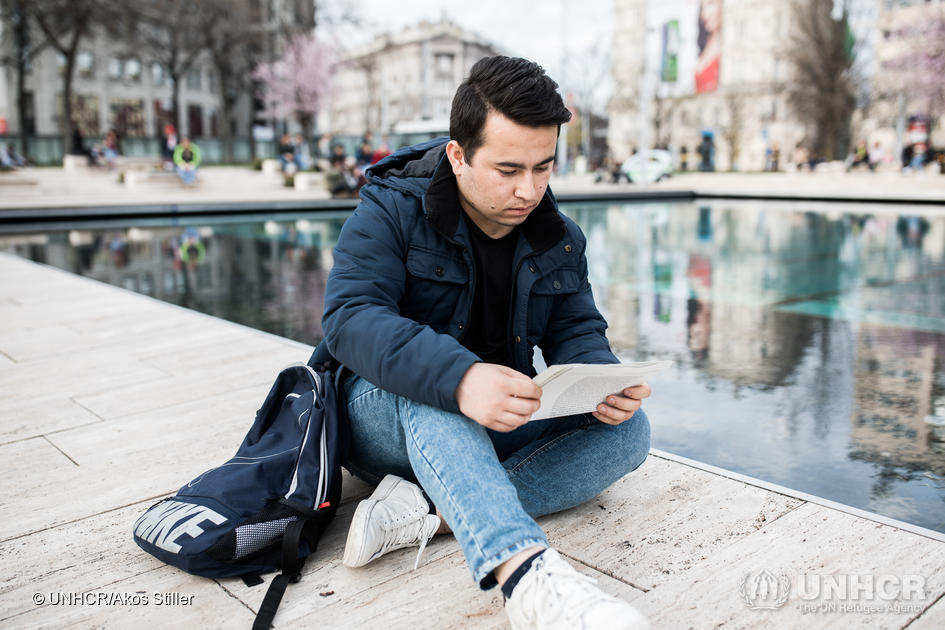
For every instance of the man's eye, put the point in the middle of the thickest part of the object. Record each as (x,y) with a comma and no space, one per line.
(542,169)
(507,173)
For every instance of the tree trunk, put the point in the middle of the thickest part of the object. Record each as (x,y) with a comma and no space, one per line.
(68,124)
(22,42)
(21,107)
(175,109)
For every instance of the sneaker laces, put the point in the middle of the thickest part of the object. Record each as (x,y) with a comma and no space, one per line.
(554,586)
(410,534)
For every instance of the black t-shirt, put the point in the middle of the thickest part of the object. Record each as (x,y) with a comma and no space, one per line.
(487,331)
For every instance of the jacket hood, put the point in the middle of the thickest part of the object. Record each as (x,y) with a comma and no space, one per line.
(410,169)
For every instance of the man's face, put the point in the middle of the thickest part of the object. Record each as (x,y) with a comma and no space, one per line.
(507,175)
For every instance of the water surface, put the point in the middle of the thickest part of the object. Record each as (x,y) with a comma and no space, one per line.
(808,338)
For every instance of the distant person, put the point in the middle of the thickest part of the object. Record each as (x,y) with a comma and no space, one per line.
(860,155)
(338,157)
(78,145)
(110,149)
(302,155)
(799,157)
(683,158)
(706,151)
(286,155)
(365,152)
(187,161)
(381,152)
(10,159)
(168,145)
(876,156)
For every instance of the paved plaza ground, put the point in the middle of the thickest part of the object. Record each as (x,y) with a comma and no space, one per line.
(38,187)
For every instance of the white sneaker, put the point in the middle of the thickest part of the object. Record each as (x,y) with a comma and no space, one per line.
(552,594)
(395,516)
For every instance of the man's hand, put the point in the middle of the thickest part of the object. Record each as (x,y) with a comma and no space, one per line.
(620,407)
(497,397)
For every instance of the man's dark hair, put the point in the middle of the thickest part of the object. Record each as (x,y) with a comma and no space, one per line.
(516,88)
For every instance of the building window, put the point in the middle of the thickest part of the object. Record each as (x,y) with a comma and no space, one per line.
(443,62)
(60,62)
(212,81)
(158,77)
(133,70)
(85,61)
(195,120)
(126,116)
(193,79)
(115,68)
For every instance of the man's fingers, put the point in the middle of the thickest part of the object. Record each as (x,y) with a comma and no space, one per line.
(616,409)
(507,422)
(522,406)
(524,388)
(638,392)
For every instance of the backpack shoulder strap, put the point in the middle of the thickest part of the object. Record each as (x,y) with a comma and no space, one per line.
(291,572)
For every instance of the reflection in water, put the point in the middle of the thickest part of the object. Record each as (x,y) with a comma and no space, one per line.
(267,275)
(808,340)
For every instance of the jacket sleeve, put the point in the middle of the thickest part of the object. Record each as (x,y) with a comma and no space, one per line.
(363,326)
(576,332)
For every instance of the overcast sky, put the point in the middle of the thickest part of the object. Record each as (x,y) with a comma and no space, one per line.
(540,30)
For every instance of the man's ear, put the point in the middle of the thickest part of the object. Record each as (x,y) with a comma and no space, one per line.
(454,153)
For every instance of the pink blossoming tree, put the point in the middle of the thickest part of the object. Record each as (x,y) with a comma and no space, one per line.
(919,68)
(295,84)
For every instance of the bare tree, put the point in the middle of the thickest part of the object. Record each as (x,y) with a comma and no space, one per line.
(664,110)
(171,32)
(733,129)
(823,92)
(65,23)
(25,45)
(235,49)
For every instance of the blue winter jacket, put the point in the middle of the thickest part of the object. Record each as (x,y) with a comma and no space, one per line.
(402,284)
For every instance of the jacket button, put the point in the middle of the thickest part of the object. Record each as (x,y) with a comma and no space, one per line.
(461,325)
(438,271)
(518,339)
(567,248)
(556,284)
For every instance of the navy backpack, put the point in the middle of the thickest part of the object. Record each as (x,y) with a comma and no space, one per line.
(266,508)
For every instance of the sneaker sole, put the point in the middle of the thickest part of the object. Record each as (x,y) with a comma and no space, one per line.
(354,544)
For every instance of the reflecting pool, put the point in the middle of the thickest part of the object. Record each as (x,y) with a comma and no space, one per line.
(808,338)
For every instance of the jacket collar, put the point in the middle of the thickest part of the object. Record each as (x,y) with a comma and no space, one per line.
(543,228)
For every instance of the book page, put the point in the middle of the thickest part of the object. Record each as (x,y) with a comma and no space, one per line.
(579,387)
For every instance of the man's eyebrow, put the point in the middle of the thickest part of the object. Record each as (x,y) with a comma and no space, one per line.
(547,160)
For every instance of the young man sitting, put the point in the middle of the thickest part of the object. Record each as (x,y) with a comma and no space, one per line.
(454,266)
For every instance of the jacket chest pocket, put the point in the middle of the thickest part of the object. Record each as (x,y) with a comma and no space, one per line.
(546,293)
(434,285)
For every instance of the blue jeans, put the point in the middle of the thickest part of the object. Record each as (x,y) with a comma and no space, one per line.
(187,176)
(489,486)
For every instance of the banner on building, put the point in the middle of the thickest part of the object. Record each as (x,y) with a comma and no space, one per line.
(710,45)
(669,67)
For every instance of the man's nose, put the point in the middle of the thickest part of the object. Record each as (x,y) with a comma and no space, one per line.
(527,187)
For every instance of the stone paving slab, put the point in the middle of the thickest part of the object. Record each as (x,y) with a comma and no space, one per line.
(117,412)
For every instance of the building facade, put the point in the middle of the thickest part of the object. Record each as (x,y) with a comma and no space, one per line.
(118,86)
(687,69)
(403,82)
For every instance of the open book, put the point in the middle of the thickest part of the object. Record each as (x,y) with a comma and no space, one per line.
(579,387)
